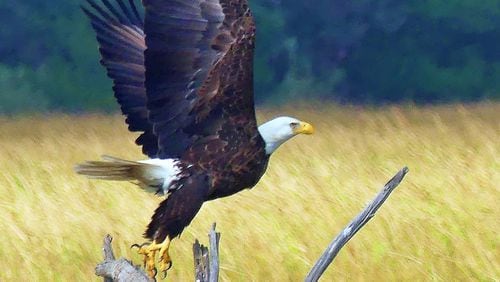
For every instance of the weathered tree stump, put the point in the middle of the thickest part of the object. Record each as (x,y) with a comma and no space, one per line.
(206,263)
(118,270)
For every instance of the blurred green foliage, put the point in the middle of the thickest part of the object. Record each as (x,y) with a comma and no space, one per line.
(363,51)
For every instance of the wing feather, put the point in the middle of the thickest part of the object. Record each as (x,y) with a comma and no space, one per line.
(119,31)
(198,70)
(195,78)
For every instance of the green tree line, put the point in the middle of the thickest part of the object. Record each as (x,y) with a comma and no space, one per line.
(360,51)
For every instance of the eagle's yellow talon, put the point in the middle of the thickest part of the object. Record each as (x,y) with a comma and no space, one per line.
(165,264)
(165,261)
(149,250)
(164,267)
(140,246)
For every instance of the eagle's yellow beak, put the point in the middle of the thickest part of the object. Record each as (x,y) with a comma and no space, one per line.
(304,128)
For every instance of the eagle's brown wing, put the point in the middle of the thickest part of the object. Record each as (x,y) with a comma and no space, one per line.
(199,74)
(119,30)
(199,81)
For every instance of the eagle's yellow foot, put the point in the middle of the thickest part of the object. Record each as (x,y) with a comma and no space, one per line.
(148,250)
(165,261)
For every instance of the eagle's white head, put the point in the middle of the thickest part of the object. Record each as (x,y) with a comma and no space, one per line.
(276,131)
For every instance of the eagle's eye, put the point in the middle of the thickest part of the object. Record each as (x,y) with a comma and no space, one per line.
(294,124)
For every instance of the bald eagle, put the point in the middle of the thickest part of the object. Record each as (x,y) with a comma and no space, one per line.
(183,77)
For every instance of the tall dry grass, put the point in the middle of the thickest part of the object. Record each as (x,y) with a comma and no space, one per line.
(441,224)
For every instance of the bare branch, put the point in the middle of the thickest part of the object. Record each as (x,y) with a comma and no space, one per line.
(353,227)
(214,238)
(118,270)
(107,251)
(206,264)
(201,264)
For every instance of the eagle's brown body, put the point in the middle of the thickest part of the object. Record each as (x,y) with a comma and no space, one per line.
(199,183)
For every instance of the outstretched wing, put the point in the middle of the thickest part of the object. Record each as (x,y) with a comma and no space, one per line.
(199,73)
(119,30)
(179,209)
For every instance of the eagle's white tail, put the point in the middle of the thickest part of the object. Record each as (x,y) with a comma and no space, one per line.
(153,175)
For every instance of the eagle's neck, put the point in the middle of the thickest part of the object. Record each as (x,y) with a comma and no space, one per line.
(274,134)
(272,144)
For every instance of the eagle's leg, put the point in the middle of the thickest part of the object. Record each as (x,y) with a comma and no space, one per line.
(165,261)
(148,250)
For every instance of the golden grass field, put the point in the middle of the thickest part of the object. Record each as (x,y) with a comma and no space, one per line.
(441,224)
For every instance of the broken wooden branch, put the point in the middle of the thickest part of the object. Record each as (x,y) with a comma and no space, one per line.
(206,263)
(118,270)
(353,227)
(201,268)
